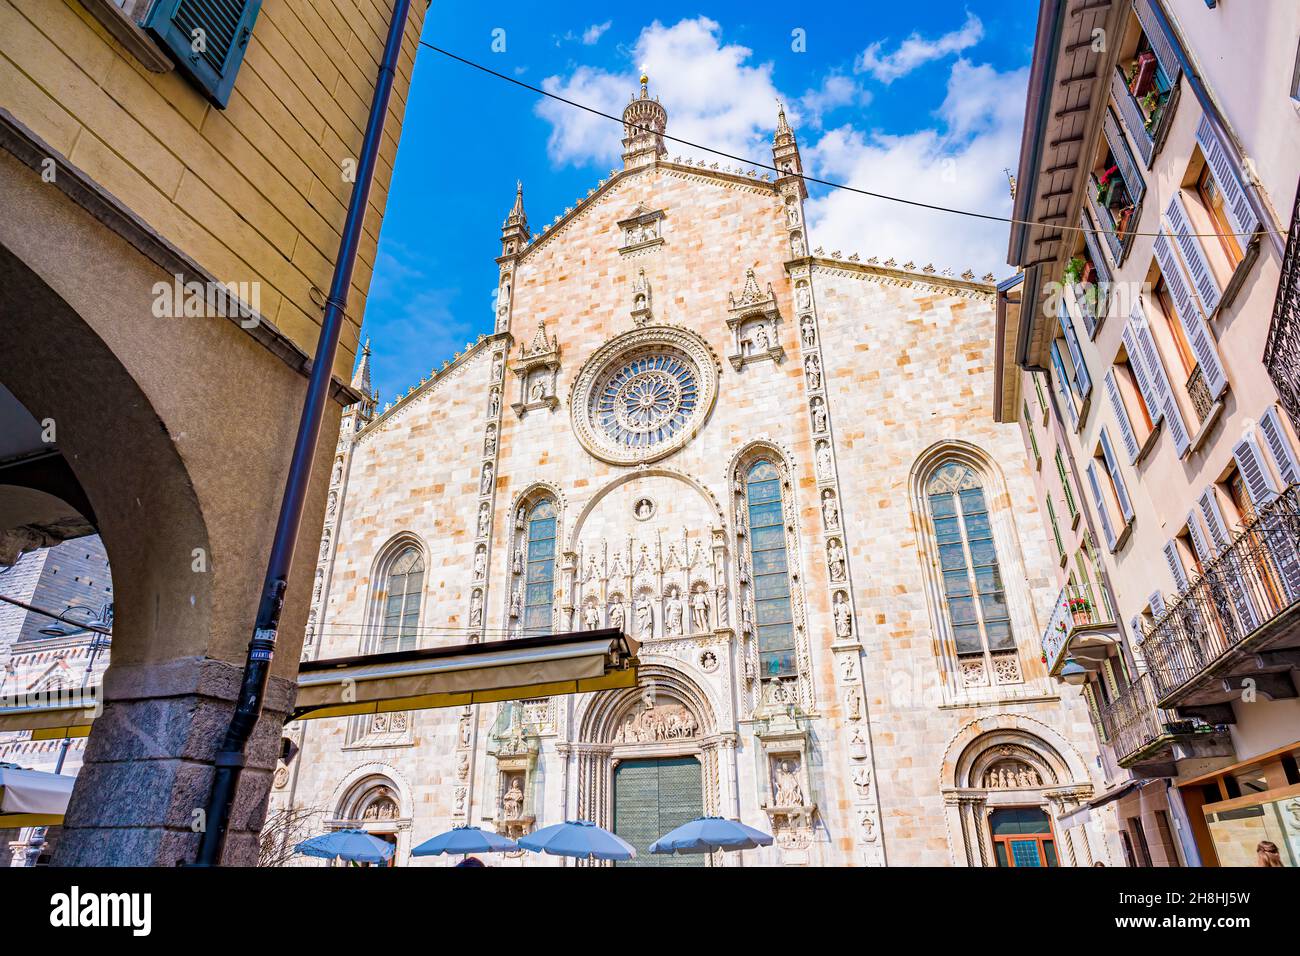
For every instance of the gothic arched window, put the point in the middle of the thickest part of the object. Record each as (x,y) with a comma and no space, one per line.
(539,580)
(973,590)
(774,621)
(403,587)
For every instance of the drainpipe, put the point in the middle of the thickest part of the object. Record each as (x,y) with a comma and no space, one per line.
(252,692)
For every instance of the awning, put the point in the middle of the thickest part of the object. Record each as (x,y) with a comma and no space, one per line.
(52,715)
(572,663)
(33,798)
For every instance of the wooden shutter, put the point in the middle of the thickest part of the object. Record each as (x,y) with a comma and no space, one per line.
(1103,512)
(1159,381)
(1198,263)
(1202,546)
(1209,502)
(1063,388)
(206,38)
(1259,480)
(1134,122)
(1157,603)
(1175,561)
(1226,173)
(1161,42)
(1116,478)
(1082,380)
(1194,325)
(1135,626)
(1128,167)
(1121,416)
(1279,446)
(1155,409)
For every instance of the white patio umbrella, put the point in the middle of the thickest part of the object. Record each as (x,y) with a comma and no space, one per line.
(33,798)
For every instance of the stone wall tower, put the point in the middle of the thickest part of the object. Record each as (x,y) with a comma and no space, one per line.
(644,122)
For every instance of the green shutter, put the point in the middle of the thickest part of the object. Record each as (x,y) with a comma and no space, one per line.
(206,38)
(652,797)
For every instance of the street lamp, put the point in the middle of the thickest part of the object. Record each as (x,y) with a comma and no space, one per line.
(101,629)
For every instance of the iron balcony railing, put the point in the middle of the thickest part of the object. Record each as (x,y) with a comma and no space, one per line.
(1199,392)
(1074,608)
(1132,721)
(1282,353)
(1251,582)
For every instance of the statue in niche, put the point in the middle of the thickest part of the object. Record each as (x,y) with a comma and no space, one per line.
(673,613)
(464,731)
(490,442)
(848,670)
(496,362)
(480,564)
(591,617)
(462,765)
(484,517)
(824,465)
(519,520)
(807,332)
(516,602)
(788,791)
(819,415)
(645,508)
(513,802)
(485,485)
(835,557)
(803,295)
(616,615)
(797,246)
(746,620)
(830,509)
(760,338)
(644,618)
(853,702)
(814,373)
(517,560)
(538,391)
(843,616)
(316,587)
(868,826)
(459,801)
(494,403)
(699,612)
(333,504)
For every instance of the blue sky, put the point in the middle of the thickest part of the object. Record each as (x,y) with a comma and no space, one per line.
(922,100)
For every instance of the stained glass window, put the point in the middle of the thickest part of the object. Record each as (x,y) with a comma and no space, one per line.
(646,400)
(539,576)
(402,591)
(773,619)
(974,592)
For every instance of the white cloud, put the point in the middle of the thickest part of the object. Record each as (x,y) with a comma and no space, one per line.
(595,31)
(916,51)
(836,91)
(957,163)
(713,96)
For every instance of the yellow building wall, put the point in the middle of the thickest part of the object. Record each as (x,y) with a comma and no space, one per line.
(254,192)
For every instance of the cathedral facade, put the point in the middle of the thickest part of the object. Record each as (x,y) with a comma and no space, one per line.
(779,472)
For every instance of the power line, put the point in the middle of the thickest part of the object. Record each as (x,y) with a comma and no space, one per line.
(812,179)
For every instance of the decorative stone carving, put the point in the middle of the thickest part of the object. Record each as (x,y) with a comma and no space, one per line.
(673,613)
(754,321)
(787,792)
(819,417)
(537,369)
(644,618)
(616,615)
(843,616)
(835,559)
(830,510)
(480,562)
(641,300)
(657,722)
(825,464)
(699,611)
(1011,775)
(644,509)
(641,232)
(813,372)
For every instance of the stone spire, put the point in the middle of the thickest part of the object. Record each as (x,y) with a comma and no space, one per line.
(364,409)
(361,377)
(644,122)
(514,231)
(785,151)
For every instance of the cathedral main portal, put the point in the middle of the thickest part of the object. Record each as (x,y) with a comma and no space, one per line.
(652,797)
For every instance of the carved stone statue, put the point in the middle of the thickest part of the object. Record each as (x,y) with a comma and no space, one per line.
(853,703)
(835,559)
(480,564)
(490,442)
(644,619)
(516,602)
(673,612)
(616,615)
(760,338)
(830,509)
(807,332)
(513,802)
(485,485)
(819,415)
(862,780)
(538,391)
(591,617)
(824,464)
(788,792)
(517,561)
(494,403)
(484,517)
(843,616)
(476,609)
(699,612)
(814,373)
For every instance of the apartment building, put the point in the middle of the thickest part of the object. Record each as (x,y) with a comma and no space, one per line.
(1156,189)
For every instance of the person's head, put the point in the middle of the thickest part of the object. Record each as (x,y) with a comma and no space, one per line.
(1266,854)
(1099,863)
(471,861)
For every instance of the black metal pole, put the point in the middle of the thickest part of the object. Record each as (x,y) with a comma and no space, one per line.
(257,667)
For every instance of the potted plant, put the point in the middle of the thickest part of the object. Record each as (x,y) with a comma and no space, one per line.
(1106,185)
(1074,271)
(1080,609)
(1150,104)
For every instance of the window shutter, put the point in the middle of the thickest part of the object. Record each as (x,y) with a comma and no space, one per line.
(1176,564)
(1135,626)
(1100,503)
(1082,380)
(1121,416)
(1062,387)
(1134,122)
(1117,479)
(1160,381)
(206,38)
(1157,602)
(1279,446)
(1209,502)
(1137,363)
(1161,42)
(1228,178)
(1194,325)
(1203,549)
(1259,480)
(1198,265)
(1128,167)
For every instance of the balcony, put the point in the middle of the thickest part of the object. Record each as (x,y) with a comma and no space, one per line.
(1145,100)
(1078,630)
(1238,621)
(1282,353)
(1150,741)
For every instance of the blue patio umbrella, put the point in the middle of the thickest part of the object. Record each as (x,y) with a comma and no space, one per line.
(578,838)
(466,840)
(706,834)
(356,846)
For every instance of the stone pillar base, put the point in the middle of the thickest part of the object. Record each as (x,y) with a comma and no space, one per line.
(140,795)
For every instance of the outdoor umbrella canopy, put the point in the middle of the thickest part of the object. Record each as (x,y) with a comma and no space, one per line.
(357,846)
(706,834)
(32,798)
(466,840)
(578,838)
